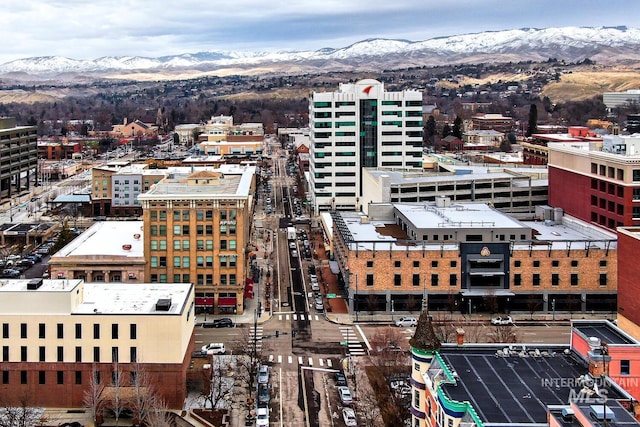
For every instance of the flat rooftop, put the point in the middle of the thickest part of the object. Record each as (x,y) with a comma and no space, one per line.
(141,298)
(107,238)
(460,173)
(514,390)
(235,183)
(466,215)
(603,330)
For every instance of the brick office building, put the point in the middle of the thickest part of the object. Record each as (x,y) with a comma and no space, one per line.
(57,334)
(469,257)
(196,228)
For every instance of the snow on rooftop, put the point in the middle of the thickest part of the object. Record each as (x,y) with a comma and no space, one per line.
(467,215)
(57,285)
(107,238)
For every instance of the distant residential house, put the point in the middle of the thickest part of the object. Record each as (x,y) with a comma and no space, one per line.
(452,143)
(485,138)
(134,128)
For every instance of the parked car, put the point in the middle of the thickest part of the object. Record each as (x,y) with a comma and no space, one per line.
(263,374)
(294,254)
(262,417)
(404,322)
(11,273)
(340,378)
(263,393)
(225,322)
(315,286)
(213,348)
(345,395)
(319,304)
(502,320)
(349,417)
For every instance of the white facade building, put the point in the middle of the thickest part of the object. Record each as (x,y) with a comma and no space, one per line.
(360,126)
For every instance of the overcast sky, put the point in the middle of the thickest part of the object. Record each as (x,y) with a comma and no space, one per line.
(89,29)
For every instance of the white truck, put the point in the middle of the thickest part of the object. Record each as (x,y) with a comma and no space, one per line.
(291,233)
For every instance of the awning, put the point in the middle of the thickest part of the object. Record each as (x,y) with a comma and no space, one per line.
(486,292)
(227,302)
(204,302)
(486,273)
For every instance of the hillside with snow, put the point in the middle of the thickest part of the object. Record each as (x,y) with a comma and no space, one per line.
(603,44)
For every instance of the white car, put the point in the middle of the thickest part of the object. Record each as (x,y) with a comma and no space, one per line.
(262,417)
(213,348)
(405,322)
(349,417)
(502,320)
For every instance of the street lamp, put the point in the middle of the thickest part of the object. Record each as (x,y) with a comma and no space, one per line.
(355,307)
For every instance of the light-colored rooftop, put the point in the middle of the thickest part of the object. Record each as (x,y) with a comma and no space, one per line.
(465,215)
(127,298)
(106,238)
(458,173)
(53,285)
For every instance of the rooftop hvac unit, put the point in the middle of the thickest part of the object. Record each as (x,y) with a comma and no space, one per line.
(34,284)
(601,413)
(163,304)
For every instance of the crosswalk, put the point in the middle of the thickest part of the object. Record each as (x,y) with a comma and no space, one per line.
(309,361)
(296,316)
(350,339)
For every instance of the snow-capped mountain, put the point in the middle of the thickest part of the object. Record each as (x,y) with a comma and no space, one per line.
(603,44)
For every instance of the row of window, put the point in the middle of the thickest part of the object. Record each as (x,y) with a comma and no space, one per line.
(201,215)
(201,279)
(42,330)
(416,264)
(42,352)
(201,261)
(556,263)
(185,230)
(574,279)
(116,377)
(611,172)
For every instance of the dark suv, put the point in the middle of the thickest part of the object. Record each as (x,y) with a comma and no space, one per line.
(225,322)
(339,378)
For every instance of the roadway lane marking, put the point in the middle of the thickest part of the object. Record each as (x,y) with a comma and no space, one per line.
(321,362)
(364,338)
(299,360)
(280,358)
(329,363)
(290,359)
(271,358)
(311,361)
(288,318)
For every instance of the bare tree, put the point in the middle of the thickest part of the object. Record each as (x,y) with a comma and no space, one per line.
(474,332)
(503,334)
(491,301)
(249,356)
(443,326)
(116,395)
(20,414)
(533,304)
(412,303)
(158,415)
(93,398)
(220,381)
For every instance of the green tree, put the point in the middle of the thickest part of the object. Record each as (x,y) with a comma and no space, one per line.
(430,130)
(446,130)
(533,120)
(457,128)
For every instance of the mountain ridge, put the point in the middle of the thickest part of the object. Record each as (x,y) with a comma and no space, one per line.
(604,44)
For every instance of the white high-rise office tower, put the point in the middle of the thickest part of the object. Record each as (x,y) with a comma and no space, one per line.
(360,126)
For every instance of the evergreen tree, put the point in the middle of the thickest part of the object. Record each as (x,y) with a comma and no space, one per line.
(446,130)
(533,120)
(457,128)
(430,130)
(425,337)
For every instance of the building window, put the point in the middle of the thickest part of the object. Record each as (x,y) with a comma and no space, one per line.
(42,377)
(536,279)
(5,353)
(603,263)
(453,280)
(369,279)
(555,279)
(517,279)
(603,279)
(415,280)
(416,264)
(23,353)
(60,377)
(114,354)
(517,263)
(416,398)
(369,264)
(397,280)
(78,377)
(5,377)
(60,331)
(5,330)
(574,279)
(434,280)
(96,354)
(625,367)
(574,263)
(555,263)
(536,263)
(60,354)
(78,354)
(23,377)
(78,331)
(133,331)
(96,331)
(41,330)
(133,354)
(41,354)
(23,330)
(453,264)
(114,331)
(397,264)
